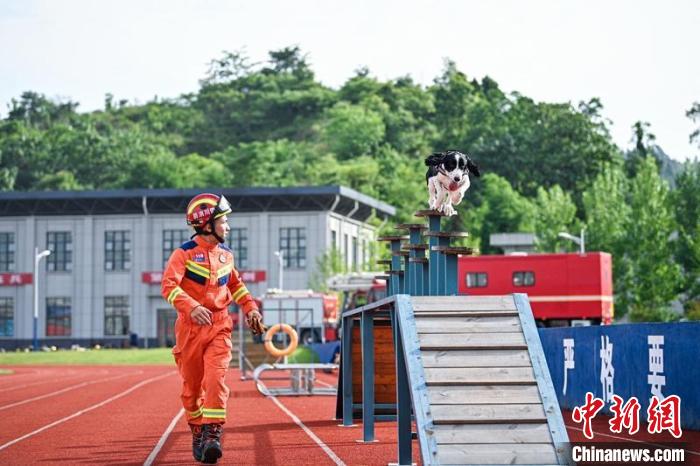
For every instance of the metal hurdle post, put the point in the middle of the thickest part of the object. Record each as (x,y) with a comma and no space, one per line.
(347,371)
(403,396)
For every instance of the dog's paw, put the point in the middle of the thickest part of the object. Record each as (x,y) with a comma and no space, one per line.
(449,210)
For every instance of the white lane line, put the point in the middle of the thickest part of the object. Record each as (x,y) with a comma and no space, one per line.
(331,454)
(635,440)
(83,411)
(67,389)
(163,438)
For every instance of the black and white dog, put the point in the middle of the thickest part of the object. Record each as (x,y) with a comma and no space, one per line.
(448,179)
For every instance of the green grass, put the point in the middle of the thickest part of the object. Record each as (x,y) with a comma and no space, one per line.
(102,356)
(6,371)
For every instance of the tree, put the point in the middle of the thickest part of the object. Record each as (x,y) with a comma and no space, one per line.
(694,114)
(352,130)
(503,210)
(654,277)
(607,216)
(555,212)
(686,202)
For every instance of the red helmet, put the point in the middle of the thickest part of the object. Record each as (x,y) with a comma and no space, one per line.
(206,207)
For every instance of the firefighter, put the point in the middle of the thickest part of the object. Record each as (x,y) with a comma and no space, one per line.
(200,281)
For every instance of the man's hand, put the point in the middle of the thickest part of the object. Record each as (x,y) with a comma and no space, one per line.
(254,321)
(201,315)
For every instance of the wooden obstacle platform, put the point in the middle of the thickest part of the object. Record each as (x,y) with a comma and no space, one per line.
(471,375)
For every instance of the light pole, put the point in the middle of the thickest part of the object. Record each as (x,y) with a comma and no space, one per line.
(37,257)
(280,259)
(581,241)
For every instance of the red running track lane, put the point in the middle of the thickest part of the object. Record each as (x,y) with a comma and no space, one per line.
(52,383)
(31,416)
(117,426)
(126,428)
(40,377)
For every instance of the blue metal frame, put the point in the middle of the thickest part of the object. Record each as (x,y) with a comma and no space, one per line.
(367,323)
(555,421)
(346,368)
(434,223)
(416,378)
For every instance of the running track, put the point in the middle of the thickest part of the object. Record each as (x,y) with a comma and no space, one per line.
(130,415)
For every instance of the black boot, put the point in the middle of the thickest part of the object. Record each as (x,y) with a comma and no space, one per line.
(211,445)
(197,438)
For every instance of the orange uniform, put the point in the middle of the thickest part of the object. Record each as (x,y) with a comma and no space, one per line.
(200,273)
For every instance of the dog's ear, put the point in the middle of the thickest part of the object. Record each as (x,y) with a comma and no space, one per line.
(472,167)
(435,159)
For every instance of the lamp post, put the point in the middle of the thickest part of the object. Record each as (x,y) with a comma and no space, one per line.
(581,241)
(280,259)
(37,258)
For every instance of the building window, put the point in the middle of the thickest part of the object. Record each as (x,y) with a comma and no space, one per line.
(477,280)
(60,243)
(293,247)
(523,278)
(171,240)
(116,315)
(117,250)
(365,259)
(238,242)
(334,239)
(58,317)
(7,317)
(7,252)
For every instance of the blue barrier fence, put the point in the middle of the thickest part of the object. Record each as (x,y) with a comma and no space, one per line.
(629,360)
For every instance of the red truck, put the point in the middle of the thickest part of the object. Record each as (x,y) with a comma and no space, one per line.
(564,289)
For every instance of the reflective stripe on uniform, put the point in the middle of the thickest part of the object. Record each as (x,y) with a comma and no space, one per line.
(173,294)
(225,270)
(196,413)
(240,293)
(214,413)
(197,269)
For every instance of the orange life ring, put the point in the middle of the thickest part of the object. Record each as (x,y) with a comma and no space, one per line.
(278,352)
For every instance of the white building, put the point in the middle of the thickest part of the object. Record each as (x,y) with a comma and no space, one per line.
(101,283)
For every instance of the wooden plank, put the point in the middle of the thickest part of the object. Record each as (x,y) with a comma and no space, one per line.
(488,414)
(476,358)
(497,302)
(471,340)
(426,324)
(483,394)
(509,453)
(428,314)
(479,375)
(492,433)
(463,306)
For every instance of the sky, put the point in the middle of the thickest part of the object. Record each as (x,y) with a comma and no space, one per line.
(639,57)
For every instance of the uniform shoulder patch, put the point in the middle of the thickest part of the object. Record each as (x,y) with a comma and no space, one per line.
(188,245)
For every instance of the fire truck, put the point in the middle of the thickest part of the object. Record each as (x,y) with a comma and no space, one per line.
(564,289)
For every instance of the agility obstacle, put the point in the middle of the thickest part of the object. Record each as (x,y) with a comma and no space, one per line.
(469,371)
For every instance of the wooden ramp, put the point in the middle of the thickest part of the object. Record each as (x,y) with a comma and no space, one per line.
(480,387)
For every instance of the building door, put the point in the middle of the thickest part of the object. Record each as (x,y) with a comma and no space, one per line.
(166,327)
